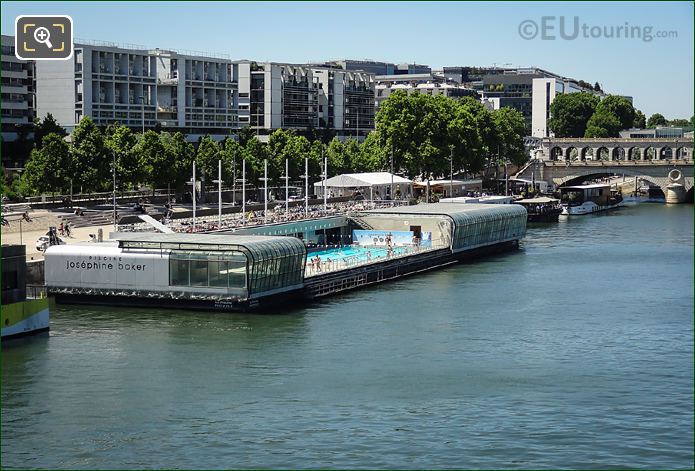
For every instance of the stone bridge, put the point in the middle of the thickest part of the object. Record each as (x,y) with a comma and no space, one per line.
(614,149)
(562,161)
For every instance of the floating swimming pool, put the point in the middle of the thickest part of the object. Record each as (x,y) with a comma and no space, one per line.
(356,254)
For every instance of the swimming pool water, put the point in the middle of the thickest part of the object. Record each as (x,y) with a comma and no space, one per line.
(361,253)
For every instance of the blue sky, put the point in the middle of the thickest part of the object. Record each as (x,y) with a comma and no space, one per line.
(657,73)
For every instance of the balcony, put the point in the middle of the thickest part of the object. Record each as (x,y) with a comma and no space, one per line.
(168,80)
(167,109)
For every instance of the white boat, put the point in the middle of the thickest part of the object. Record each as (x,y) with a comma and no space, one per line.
(586,199)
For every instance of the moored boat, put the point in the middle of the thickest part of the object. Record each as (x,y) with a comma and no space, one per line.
(541,209)
(586,199)
(21,314)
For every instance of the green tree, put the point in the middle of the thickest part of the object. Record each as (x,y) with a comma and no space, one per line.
(232,155)
(510,127)
(603,123)
(91,163)
(182,154)
(49,168)
(159,166)
(245,134)
(45,127)
(570,114)
(207,155)
(121,141)
(255,152)
(679,123)
(371,157)
(336,157)
(277,150)
(620,107)
(656,120)
(692,121)
(640,120)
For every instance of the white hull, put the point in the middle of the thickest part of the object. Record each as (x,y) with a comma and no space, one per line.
(587,207)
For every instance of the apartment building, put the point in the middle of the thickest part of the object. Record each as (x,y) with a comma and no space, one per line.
(304,97)
(427,83)
(142,88)
(18,88)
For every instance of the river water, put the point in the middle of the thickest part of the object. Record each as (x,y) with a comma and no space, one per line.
(574,352)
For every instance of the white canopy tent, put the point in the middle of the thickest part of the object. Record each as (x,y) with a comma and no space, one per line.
(374,185)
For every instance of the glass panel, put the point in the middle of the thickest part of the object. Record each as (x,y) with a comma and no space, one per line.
(199,273)
(237,274)
(178,272)
(218,274)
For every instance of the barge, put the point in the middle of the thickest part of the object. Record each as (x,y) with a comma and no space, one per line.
(23,313)
(231,272)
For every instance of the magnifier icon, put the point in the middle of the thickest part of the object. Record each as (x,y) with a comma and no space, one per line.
(43,36)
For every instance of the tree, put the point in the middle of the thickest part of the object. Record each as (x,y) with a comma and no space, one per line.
(620,107)
(232,155)
(47,126)
(207,155)
(92,165)
(49,168)
(510,128)
(603,123)
(336,157)
(371,157)
(679,123)
(692,121)
(656,120)
(570,114)
(159,166)
(278,143)
(597,87)
(640,120)
(255,152)
(245,134)
(121,141)
(182,154)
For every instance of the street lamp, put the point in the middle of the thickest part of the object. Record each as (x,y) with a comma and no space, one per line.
(265,191)
(115,227)
(142,107)
(192,182)
(451,174)
(306,187)
(219,193)
(286,177)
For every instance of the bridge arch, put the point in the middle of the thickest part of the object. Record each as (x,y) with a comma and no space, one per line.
(587,153)
(618,153)
(556,153)
(571,153)
(680,153)
(666,153)
(634,153)
(602,153)
(649,153)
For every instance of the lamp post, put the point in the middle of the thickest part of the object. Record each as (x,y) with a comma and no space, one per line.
(451,174)
(323,185)
(265,191)
(306,186)
(219,193)
(243,191)
(391,190)
(142,107)
(115,227)
(286,177)
(193,191)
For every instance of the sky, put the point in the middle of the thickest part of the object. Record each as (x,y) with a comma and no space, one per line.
(657,73)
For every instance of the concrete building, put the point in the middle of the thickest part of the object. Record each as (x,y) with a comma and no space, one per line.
(18,93)
(304,97)
(423,83)
(194,94)
(544,91)
(660,132)
(379,68)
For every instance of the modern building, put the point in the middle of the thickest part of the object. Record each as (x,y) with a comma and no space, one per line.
(667,132)
(304,97)
(544,91)
(142,88)
(18,111)
(427,83)
(379,68)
